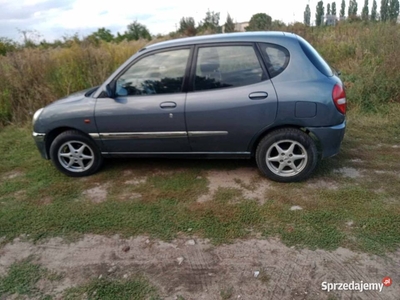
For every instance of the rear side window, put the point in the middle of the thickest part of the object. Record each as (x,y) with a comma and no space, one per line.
(276,57)
(227,66)
(315,57)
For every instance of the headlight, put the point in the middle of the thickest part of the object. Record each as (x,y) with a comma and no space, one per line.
(36,115)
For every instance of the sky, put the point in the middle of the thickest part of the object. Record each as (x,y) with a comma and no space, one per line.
(53,19)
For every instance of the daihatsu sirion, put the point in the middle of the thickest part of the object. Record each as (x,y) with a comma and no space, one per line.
(267,95)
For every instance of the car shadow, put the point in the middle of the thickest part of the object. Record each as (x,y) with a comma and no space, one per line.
(172,164)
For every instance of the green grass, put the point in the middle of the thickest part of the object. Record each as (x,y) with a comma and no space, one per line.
(22,277)
(104,289)
(36,199)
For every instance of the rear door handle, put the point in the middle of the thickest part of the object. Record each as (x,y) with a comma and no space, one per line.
(258,95)
(168,104)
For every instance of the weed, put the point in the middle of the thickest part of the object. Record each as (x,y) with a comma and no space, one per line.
(105,289)
(226,293)
(264,277)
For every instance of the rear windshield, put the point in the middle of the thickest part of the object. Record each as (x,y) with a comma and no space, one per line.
(315,57)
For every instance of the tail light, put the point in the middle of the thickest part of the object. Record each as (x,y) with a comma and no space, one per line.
(339,98)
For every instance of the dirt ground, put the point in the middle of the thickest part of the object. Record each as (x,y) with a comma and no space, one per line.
(196,269)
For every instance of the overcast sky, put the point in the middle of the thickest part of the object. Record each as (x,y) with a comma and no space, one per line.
(53,19)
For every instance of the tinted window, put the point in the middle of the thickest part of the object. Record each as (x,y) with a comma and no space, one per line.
(315,57)
(276,58)
(160,73)
(227,66)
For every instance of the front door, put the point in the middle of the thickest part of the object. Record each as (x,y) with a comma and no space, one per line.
(147,114)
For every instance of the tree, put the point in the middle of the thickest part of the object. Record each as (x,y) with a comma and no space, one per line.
(102,34)
(384,10)
(120,37)
(187,26)
(259,22)
(342,9)
(137,31)
(334,9)
(353,7)
(278,25)
(229,25)
(7,45)
(30,38)
(328,13)
(307,16)
(374,11)
(210,23)
(365,11)
(319,15)
(393,10)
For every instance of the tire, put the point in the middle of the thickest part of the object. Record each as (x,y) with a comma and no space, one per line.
(287,155)
(75,154)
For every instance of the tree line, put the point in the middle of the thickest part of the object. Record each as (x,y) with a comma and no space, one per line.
(389,11)
(210,24)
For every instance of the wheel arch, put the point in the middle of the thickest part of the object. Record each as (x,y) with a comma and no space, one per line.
(50,137)
(256,140)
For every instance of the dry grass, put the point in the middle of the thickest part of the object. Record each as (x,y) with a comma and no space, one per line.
(365,53)
(32,78)
(367,56)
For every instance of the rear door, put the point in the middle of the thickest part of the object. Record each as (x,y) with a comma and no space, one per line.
(231,98)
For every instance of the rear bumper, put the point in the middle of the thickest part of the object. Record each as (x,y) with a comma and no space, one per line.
(40,143)
(330,138)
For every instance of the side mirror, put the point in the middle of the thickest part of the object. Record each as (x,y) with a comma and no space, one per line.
(110,89)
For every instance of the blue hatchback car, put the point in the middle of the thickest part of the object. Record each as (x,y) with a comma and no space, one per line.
(267,95)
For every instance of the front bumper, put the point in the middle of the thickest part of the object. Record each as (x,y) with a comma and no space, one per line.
(330,138)
(40,140)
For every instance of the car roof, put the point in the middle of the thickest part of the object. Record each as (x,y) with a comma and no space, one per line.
(256,36)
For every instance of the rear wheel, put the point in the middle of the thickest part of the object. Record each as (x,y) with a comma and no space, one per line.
(75,154)
(287,155)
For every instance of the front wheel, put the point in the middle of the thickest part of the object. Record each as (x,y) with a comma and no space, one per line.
(75,154)
(287,155)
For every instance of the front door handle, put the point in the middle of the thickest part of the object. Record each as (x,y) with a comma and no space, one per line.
(258,95)
(168,104)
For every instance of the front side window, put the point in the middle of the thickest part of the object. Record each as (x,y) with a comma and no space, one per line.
(227,66)
(159,73)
